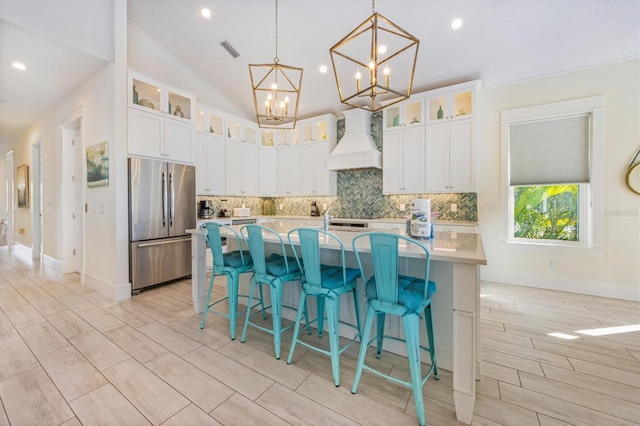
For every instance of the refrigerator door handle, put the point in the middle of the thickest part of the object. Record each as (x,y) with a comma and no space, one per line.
(172,206)
(160,243)
(164,200)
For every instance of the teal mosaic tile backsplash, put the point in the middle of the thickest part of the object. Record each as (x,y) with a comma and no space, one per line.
(359,195)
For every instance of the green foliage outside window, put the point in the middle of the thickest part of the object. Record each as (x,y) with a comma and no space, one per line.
(546,212)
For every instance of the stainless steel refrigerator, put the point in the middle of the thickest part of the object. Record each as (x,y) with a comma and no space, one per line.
(162,206)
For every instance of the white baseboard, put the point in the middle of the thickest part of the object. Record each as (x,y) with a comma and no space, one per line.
(112,291)
(571,285)
(22,250)
(52,263)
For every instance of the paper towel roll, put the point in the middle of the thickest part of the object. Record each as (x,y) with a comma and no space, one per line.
(421,218)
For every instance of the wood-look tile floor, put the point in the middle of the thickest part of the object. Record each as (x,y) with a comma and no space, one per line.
(71,356)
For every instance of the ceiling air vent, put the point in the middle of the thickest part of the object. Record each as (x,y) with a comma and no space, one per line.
(233,52)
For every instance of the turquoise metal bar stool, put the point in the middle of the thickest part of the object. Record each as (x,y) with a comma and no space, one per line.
(408,297)
(231,264)
(274,270)
(326,283)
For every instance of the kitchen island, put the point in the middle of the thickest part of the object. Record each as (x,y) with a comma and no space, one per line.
(455,260)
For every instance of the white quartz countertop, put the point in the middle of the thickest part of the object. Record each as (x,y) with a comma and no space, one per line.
(459,247)
(368,220)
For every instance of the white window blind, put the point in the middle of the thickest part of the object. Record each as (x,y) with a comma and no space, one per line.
(549,151)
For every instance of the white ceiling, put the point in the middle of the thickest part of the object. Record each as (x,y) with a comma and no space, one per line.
(501,42)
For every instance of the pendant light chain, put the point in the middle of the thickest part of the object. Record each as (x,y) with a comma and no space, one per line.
(276,58)
(373,6)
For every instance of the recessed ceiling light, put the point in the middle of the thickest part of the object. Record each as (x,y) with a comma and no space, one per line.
(456,23)
(323,68)
(206,12)
(19,66)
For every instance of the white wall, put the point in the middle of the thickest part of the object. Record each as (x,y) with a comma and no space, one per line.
(613,271)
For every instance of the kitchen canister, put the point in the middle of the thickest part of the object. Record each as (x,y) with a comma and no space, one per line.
(421,218)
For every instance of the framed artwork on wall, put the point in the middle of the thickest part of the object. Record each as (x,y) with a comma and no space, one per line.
(98,165)
(23,186)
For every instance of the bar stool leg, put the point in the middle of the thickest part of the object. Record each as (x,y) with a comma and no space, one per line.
(276,312)
(232,292)
(320,302)
(432,346)
(206,309)
(333,311)
(368,325)
(380,337)
(296,328)
(411,331)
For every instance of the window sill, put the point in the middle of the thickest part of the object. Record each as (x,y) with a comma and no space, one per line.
(552,248)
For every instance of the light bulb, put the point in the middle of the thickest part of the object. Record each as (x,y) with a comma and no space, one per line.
(372,65)
(269,96)
(286,99)
(274,86)
(386,71)
(323,69)
(358,75)
(206,12)
(456,23)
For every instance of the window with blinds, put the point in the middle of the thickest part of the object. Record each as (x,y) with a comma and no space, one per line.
(550,151)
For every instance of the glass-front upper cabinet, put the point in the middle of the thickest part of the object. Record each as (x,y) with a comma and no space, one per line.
(268,137)
(148,94)
(404,114)
(275,137)
(240,130)
(316,129)
(234,131)
(209,121)
(453,102)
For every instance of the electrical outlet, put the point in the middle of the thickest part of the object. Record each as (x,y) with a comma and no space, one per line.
(454,208)
(281,206)
(402,207)
(324,206)
(552,263)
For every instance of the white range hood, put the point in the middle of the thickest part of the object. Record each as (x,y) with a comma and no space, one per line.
(356,149)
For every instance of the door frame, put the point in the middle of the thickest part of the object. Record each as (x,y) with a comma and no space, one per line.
(10,187)
(72,123)
(36,200)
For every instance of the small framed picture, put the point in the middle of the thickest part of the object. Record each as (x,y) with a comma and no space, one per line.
(23,186)
(98,165)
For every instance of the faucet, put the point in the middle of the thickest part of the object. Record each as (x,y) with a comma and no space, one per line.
(327,216)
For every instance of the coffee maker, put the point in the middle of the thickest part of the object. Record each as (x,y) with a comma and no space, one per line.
(205,211)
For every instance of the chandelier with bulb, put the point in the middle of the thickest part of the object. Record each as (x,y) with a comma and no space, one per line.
(374,64)
(276,91)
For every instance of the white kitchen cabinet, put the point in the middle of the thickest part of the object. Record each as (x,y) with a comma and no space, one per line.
(315,179)
(151,95)
(241,169)
(210,167)
(155,136)
(240,130)
(277,137)
(403,170)
(267,172)
(408,113)
(452,102)
(450,156)
(288,171)
(209,121)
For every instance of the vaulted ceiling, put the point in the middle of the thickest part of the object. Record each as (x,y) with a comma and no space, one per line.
(501,41)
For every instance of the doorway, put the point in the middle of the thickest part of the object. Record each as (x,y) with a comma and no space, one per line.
(72,197)
(36,205)
(10,188)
